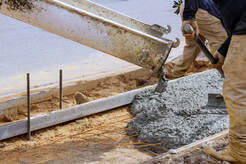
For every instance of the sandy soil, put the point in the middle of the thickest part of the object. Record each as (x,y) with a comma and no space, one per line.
(108,87)
(99,138)
(96,139)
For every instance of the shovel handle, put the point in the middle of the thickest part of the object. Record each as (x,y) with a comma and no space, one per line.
(188,29)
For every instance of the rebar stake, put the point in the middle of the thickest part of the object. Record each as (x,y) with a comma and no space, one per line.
(28,107)
(60,87)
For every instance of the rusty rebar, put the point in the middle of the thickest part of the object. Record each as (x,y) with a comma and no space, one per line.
(60,88)
(28,107)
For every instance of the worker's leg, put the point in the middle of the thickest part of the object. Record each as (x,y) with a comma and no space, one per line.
(212,29)
(234,91)
(190,53)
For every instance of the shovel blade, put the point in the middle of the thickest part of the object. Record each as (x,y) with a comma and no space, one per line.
(215,100)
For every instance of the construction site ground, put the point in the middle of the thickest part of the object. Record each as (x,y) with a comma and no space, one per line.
(99,138)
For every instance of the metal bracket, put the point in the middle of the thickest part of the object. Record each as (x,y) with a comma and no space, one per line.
(176,43)
(161,29)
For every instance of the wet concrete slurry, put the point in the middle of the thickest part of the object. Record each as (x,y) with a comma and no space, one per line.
(179,116)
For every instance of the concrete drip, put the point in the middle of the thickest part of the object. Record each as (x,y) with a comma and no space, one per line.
(178,116)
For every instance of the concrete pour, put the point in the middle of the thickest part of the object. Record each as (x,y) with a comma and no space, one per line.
(179,116)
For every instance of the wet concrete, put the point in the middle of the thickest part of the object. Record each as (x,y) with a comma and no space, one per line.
(22,5)
(179,116)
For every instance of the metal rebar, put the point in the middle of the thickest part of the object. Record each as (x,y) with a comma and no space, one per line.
(28,108)
(60,88)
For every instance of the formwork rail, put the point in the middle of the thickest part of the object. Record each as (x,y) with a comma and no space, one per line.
(76,112)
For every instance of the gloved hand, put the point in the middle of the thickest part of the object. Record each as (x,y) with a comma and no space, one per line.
(194,24)
(220,62)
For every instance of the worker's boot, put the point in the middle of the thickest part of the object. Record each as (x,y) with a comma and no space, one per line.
(170,76)
(170,72)
(223,155)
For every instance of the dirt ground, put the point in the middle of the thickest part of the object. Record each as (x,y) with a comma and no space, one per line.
(108,87)
(99,138)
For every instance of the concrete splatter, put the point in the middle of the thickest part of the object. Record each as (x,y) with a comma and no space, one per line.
(21,5)
(178,116)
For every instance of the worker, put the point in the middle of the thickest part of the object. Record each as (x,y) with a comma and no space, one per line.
(233,50)
(211,29)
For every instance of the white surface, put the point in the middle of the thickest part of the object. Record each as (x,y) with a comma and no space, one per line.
(24,48)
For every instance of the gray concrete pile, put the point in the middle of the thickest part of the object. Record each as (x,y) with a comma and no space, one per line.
(179,116)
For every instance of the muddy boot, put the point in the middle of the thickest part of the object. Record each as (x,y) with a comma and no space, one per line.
(80,98)
(169,71)
(170,76)
(223,155)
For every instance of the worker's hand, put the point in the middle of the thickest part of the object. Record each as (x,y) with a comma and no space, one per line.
(193,23)
(221,59)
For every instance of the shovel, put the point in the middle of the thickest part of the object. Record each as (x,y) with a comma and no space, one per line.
(215,100)
(189,30)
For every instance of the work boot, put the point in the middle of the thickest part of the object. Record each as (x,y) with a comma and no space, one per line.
(170,76)
(223,155)
(170,72)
